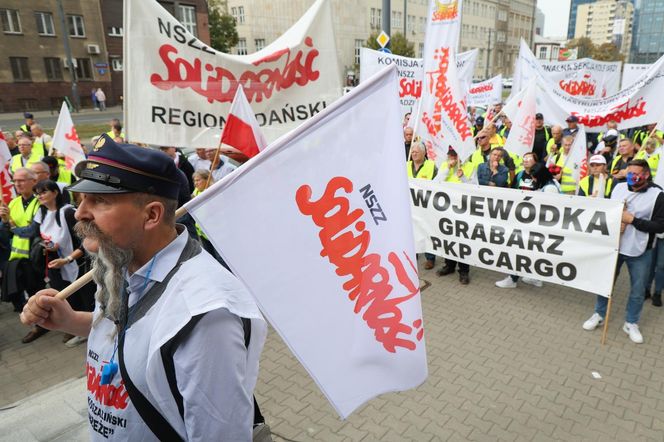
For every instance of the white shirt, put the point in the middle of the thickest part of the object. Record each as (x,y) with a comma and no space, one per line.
(216,373)
(198,162)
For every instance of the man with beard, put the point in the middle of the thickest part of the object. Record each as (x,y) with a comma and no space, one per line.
(171,326)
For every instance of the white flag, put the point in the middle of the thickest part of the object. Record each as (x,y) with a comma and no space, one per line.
(65,139)
(577,160)
(342,288)
(442,120)
(522,134)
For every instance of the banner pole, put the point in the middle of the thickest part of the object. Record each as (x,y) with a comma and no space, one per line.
(86,278)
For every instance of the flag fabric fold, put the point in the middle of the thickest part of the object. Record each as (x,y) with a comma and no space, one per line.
(6,186)
(342,288)
(522,133)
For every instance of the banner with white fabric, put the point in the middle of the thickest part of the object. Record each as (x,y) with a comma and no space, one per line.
(585,77)
(638,105)
(66,140)
(522,135)
(632,72)
(410,72)
(441,119)
(566,240)
(486,93)
(342,288)
(178,90)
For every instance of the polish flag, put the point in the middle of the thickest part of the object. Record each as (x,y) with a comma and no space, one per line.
(6,185)
(241,130)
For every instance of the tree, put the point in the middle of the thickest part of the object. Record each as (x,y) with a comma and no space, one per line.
(585,47)
(399,45)
(223,30)
(608,52)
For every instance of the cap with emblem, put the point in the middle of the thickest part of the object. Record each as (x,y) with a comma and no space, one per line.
(125,168)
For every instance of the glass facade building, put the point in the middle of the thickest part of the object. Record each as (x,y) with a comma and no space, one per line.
(648,31)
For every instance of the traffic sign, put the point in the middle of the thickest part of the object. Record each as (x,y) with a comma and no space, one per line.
(386,50)
(383,39)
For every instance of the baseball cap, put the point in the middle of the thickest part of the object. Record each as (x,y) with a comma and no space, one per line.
(539,116)
(572,119)
(597,159)
(27,115)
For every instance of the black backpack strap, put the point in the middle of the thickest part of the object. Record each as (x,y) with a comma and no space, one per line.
(168,351)
(152,418)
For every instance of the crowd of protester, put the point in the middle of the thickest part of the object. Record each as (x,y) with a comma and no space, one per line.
(620,165)
(38,244)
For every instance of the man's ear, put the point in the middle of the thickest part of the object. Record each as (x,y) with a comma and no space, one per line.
(154,214)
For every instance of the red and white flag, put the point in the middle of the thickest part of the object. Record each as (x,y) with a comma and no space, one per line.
(577,160)
(521,136)
(342,290)
(65,139)
(442,119)
(241,130)
(6,185)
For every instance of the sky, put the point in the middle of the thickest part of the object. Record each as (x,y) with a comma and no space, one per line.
(557,14)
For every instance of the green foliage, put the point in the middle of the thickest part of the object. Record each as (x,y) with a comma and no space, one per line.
(223,30)
(603,52)
(399,45)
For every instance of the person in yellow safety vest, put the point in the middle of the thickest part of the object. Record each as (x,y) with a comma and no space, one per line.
(26,156)
(640,135)
(29,121)
(451,171)
(565,176)
(542,137)
(479,156)
(19,213)
(420,167)
(598,183)
(651,153)
(495,140)
(41,142)
(611,125)
(555,142)
(626,152)
(507,127)
(479,125)
(58,172)
(116,130)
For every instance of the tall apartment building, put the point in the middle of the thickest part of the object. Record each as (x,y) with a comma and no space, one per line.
(606,21)
(648,33)
(34,72)
(493,26)
(571,23)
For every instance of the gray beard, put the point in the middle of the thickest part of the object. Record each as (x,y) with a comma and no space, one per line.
(108,267)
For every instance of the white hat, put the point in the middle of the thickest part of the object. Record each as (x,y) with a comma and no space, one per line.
(597,159)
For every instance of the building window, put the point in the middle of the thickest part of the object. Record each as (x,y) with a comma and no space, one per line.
(358,48)
(116,64)
(242,46)
(44,23)
(53,68)
(187,16)
(396,19)
(502,15)
(76,26)
(501,37)
(542,53)
(423,24)
(83,69)
(260,44)
(115,31)
(421,49)
(20,69)
(240,14)
(410,23)
(11,24)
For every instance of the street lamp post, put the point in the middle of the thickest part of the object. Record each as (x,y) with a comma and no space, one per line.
(488,57)
(387,27)
(70,60)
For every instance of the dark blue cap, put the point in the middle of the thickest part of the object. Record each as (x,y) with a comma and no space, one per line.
(27,115)
(479,121)
(125,168)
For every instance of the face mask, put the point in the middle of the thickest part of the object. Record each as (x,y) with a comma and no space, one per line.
(634,179)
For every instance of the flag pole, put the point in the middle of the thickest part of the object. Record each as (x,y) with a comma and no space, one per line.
(86,278)
(214,163)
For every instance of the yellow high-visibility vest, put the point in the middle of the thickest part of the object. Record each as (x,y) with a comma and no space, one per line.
(584,185)
(425,172)
(22,218)
(567,183)
(17,161)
